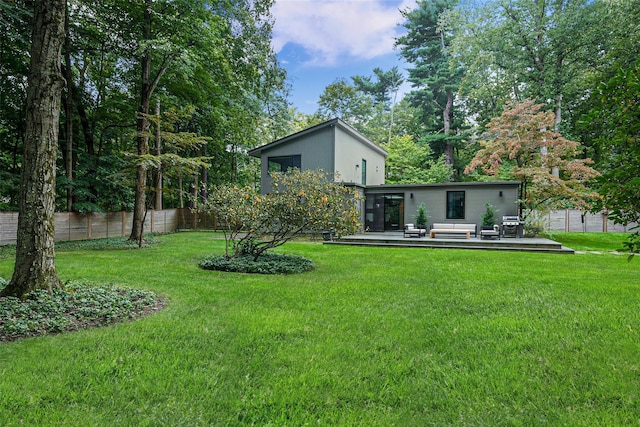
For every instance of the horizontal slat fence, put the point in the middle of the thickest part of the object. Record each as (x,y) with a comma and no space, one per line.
(574,220)
(75,226)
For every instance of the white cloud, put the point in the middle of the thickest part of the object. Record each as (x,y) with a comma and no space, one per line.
(332,29)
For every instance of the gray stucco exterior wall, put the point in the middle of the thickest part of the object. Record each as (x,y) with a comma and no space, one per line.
(350,153)
(503,195)
(332,146)
(315,150)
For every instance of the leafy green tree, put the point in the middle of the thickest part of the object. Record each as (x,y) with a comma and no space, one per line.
(384,91)
(615,119)
(345,101)
(521,144)
(411,163)
(307,201)
(172,159)
(301,121)
(521,49)
(15,19)
(607,115)
(426,46)
(35,254)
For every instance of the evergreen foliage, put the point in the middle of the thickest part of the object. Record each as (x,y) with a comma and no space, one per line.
(422,216)
(488,217)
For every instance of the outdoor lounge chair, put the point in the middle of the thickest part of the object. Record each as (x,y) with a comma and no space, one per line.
(411,231)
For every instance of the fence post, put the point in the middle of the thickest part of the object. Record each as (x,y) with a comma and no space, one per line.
(123,216)
(89,217)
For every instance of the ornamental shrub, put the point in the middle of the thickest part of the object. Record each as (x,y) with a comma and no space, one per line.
(307,201)
(487,217)
(267,263)
(422,216)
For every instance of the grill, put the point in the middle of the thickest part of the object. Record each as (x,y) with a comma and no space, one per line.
(512,226)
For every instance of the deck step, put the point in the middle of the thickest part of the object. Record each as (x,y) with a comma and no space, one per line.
(517,245)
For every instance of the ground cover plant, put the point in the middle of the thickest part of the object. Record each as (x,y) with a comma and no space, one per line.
(371,336)
(78,306)
(267,263)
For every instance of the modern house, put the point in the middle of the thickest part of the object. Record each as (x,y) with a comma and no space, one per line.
(339,149)
(332,146)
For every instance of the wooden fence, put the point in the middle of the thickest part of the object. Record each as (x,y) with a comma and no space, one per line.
(76,226)
(574,220)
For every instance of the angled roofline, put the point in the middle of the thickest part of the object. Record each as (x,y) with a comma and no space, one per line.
(442,184)
(256,152)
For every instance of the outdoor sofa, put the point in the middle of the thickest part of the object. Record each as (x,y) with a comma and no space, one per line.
(453,228)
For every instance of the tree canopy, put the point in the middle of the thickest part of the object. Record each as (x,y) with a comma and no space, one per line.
(521,145)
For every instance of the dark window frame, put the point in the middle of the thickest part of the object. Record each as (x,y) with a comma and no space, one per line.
(284,163)
(455,204)
(364,172)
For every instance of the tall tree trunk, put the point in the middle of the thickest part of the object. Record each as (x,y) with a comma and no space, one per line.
(557,114)
(204,177)
(556,126)
(142,130)
(35,253)
(147,88)
(393,107)
(158,176)
(446,117)
(68,111)
(180,192)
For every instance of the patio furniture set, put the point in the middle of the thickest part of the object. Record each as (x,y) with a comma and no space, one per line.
(410,230)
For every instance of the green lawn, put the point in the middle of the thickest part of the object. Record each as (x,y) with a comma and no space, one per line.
(601,242)
(373,336)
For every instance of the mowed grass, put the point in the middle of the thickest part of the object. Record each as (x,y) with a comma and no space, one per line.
(373,336)
(600,242)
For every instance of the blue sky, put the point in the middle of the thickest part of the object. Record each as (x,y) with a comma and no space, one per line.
(319,41)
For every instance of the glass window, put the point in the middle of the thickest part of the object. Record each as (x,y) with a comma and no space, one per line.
(455,204)
(284,163)
(364,172)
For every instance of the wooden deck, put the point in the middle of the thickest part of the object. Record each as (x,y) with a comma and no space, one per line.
(396,239)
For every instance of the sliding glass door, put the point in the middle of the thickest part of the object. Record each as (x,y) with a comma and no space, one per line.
(384,212)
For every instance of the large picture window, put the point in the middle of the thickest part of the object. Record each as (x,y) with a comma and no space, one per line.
(455,204)
(284,163)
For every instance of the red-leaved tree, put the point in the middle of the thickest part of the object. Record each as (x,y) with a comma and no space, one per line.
(521,144)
